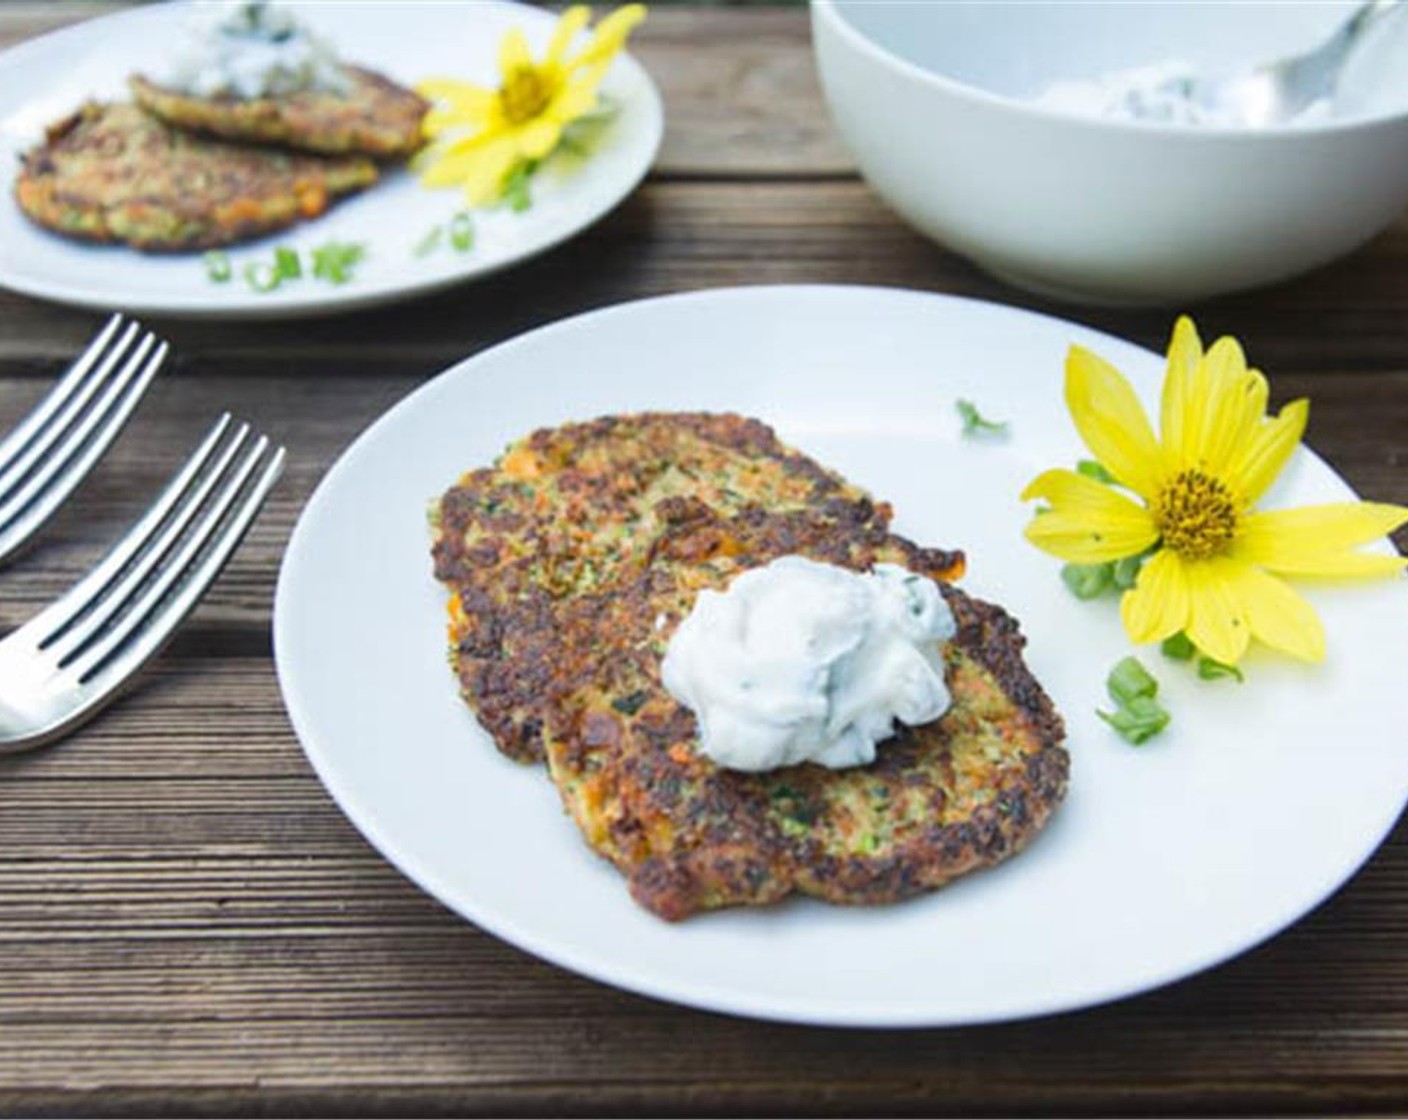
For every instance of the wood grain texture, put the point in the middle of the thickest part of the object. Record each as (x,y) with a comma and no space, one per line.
(188,924)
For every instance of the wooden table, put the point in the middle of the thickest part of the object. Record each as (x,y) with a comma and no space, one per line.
(188,924)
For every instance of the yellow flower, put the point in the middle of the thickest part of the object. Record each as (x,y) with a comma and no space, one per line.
(480,136)
(1216,561)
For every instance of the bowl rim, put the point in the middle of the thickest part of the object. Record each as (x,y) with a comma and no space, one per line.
(830,12)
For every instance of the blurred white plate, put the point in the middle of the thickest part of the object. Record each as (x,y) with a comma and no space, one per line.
(44,80)
(1256,804)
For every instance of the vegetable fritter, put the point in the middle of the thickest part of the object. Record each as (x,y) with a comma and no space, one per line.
(575,510)
(112,172)
(572,560)
(375,117)
(940,800)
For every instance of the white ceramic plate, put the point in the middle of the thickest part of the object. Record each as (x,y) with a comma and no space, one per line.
(1258,801)
(43,80)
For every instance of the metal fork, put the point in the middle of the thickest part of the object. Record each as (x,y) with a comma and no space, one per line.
(66,663)
(56,445)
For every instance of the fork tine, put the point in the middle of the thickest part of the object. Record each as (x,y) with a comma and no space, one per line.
(55,619)
(151,622)
(48,486)
(93,612)
(16,440)
(31,441)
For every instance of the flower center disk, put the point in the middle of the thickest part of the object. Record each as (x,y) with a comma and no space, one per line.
(525,95)
(1195,515)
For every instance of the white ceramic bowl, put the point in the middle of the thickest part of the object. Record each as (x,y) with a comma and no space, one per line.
(934,100)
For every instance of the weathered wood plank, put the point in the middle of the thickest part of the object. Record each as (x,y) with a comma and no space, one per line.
(681,236)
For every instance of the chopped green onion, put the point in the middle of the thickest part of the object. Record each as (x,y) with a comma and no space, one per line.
(262,276)
(462,232)
(217,266)
(1139,721)
(1124,571)
(1087,581)
(334,261)
(1138,716)
(516,192)
(1210,670)
(287,264)
(1179,647)
(1091,469)
(427,244)
(974,421)
(1129,680)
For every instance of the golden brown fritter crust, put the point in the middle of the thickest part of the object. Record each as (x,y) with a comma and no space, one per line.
(375,117)
(571,562)
(939,801)
(112,172)
(573,510)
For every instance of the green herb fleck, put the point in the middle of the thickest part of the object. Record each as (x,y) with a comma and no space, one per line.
(262,276)
(218,267)
(1125,571)
(1210,670)
(1088,581)
(1129,680)
(974,422)
(1091,469)
(462,232)
(630,704)
(335,260)
(516,193)
(428,244)
(287,264)
(1138,716)
(1138,722)
(1179,647)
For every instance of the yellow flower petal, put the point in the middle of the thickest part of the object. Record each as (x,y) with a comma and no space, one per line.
(1111,420)
(1319,540)
(610,36)
(452,91)
(1185,351)
(514,54)
(1218,623)
(1253,468)
(445,164)
(568,27)
(1159,604)
(1278,616)
(576,98)
(1208,408)
(1237,409)
(538,137)
(483,180)
(463,107)
(1088,522)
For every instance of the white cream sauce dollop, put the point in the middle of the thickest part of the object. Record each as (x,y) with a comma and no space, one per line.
(252,49)
(799,661)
